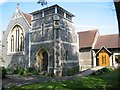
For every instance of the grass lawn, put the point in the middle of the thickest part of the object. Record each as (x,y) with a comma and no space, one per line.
(106,81)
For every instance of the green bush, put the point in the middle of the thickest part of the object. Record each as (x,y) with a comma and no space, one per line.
(0,71)
(25,72)
(107,69)
(101,71)
(71,71)
(30,69)
(16,70)
(10,71)
(48,75)
(33,71)
(20,71)
(93,73)
(4,72)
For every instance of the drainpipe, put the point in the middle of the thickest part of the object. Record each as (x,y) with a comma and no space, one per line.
(29,47)
(92,57)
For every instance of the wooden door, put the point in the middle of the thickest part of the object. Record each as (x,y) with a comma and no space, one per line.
(104,59)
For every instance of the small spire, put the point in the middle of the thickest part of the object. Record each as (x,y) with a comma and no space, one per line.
(18,5)
(17,8)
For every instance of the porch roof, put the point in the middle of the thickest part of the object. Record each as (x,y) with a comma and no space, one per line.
(108,41)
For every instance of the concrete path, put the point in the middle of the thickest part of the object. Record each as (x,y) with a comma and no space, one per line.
(15,80)
(90,71)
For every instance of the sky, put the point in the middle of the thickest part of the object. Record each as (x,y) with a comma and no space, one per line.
(89,14)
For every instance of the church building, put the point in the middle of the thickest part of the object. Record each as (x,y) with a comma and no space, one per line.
(47,40)
(44,39)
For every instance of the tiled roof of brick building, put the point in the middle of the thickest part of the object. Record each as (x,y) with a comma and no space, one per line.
(86,38)
(108,41)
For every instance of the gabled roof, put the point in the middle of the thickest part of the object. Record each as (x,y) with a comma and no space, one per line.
(103,48)
(108,41)
(28,17)
(86,38)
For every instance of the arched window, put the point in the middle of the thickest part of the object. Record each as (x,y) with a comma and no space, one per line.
(66,55)
(42,28)
(16,42)
(17,38)
(21,42)
(12,43)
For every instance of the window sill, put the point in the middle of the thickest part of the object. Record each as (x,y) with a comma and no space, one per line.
(16,53)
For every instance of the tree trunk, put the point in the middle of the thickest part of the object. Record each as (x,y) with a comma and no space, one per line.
(117,8)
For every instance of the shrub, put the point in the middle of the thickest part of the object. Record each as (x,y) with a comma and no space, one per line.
(48,75)
(4,72)
(25,72)
(33,71)
(93,73)
(107,69)
(10,71)
(20,71)
(30,69)
(0,71)
(16,70)
(101,71)
(71,71)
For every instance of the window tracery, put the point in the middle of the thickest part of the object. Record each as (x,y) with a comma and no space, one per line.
(16,42)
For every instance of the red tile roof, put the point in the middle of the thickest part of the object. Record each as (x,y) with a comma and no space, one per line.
(108,41)
(86,38)
(28,17)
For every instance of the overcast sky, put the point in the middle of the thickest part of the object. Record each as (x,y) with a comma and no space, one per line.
(88,15)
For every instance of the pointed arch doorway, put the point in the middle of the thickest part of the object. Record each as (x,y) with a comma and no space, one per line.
(103,57)
(42,60)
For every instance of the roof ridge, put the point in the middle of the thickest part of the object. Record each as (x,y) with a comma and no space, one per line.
(26,16)
(109,34)
(87,31)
